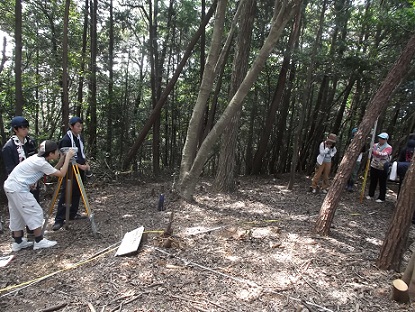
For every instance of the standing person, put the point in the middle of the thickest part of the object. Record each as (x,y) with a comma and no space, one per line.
(19,147)
(404,160)
(379,167)
(72,139)
(327,150)
(23,207)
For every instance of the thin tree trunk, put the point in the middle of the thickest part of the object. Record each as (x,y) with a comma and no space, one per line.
(279,91)
(18,58)
(65,77)
(305,98)
(108,145)
(378,104)
(92,126)
(83,57)
(163,98)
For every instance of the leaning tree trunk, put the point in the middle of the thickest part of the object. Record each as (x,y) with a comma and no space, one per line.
(190,145)
(396,237)
(282,14)
(376,106)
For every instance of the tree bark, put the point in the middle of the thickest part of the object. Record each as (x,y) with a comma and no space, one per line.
(65,77)
(92,126)
(190,145)
(225,177)
(280,19)
(18,58)
(394,244)
(378,104)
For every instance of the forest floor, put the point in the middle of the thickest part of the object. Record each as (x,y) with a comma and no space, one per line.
(252,250)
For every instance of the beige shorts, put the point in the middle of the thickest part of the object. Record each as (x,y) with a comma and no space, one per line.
(24,210)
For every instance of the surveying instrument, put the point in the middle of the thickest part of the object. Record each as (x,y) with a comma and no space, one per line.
(73,172)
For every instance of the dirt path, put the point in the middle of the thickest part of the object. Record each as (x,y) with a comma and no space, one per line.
(250,251)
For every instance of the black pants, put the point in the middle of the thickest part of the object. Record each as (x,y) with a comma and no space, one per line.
(381,177)
(76,196)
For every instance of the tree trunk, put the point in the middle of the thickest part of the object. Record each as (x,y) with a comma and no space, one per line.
(225,177)
(305,98)
(282,14)
(83,57)
(65,77)
(378,104)
(92,126)
(278,95)
(396,238)
(163,98)
(190,146)
(110,100)
(18,58)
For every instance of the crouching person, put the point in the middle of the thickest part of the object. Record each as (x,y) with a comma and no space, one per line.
(23,207)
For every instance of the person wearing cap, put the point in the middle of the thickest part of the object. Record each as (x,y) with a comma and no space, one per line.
(379,167)
(19,147)
(72,138)
(327,150)
(23,207)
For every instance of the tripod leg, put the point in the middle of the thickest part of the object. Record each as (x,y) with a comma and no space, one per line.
(68,193)
(85,201)
(52,204)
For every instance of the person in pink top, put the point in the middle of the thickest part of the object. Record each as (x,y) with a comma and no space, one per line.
(379,167)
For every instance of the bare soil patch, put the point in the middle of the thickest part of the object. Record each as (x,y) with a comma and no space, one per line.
(253,250)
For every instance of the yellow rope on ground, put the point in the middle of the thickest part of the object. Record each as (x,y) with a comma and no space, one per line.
(93,257)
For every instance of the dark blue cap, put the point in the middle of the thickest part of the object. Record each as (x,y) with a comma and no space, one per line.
(74,120)
(19,121)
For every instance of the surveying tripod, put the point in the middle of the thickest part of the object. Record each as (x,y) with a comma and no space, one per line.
(73,170)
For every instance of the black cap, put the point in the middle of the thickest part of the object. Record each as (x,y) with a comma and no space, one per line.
(19,121)
(74,120)
(47,147)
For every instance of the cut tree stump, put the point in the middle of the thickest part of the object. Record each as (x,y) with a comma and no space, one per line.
(400,291)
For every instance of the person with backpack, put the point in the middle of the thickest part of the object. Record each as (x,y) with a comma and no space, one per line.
(327,150)
(379,167)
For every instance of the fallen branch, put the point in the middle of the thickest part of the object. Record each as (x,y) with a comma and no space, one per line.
(91,307)
(250,283)
(55,308)
(243,281)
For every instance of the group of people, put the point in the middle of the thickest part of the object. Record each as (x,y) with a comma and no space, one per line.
(25,166)
(380,157)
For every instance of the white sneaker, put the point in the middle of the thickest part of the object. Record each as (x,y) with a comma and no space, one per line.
(368,197)
(22,245)
(379,201)
(324,191)
(44,243)
(313,191)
